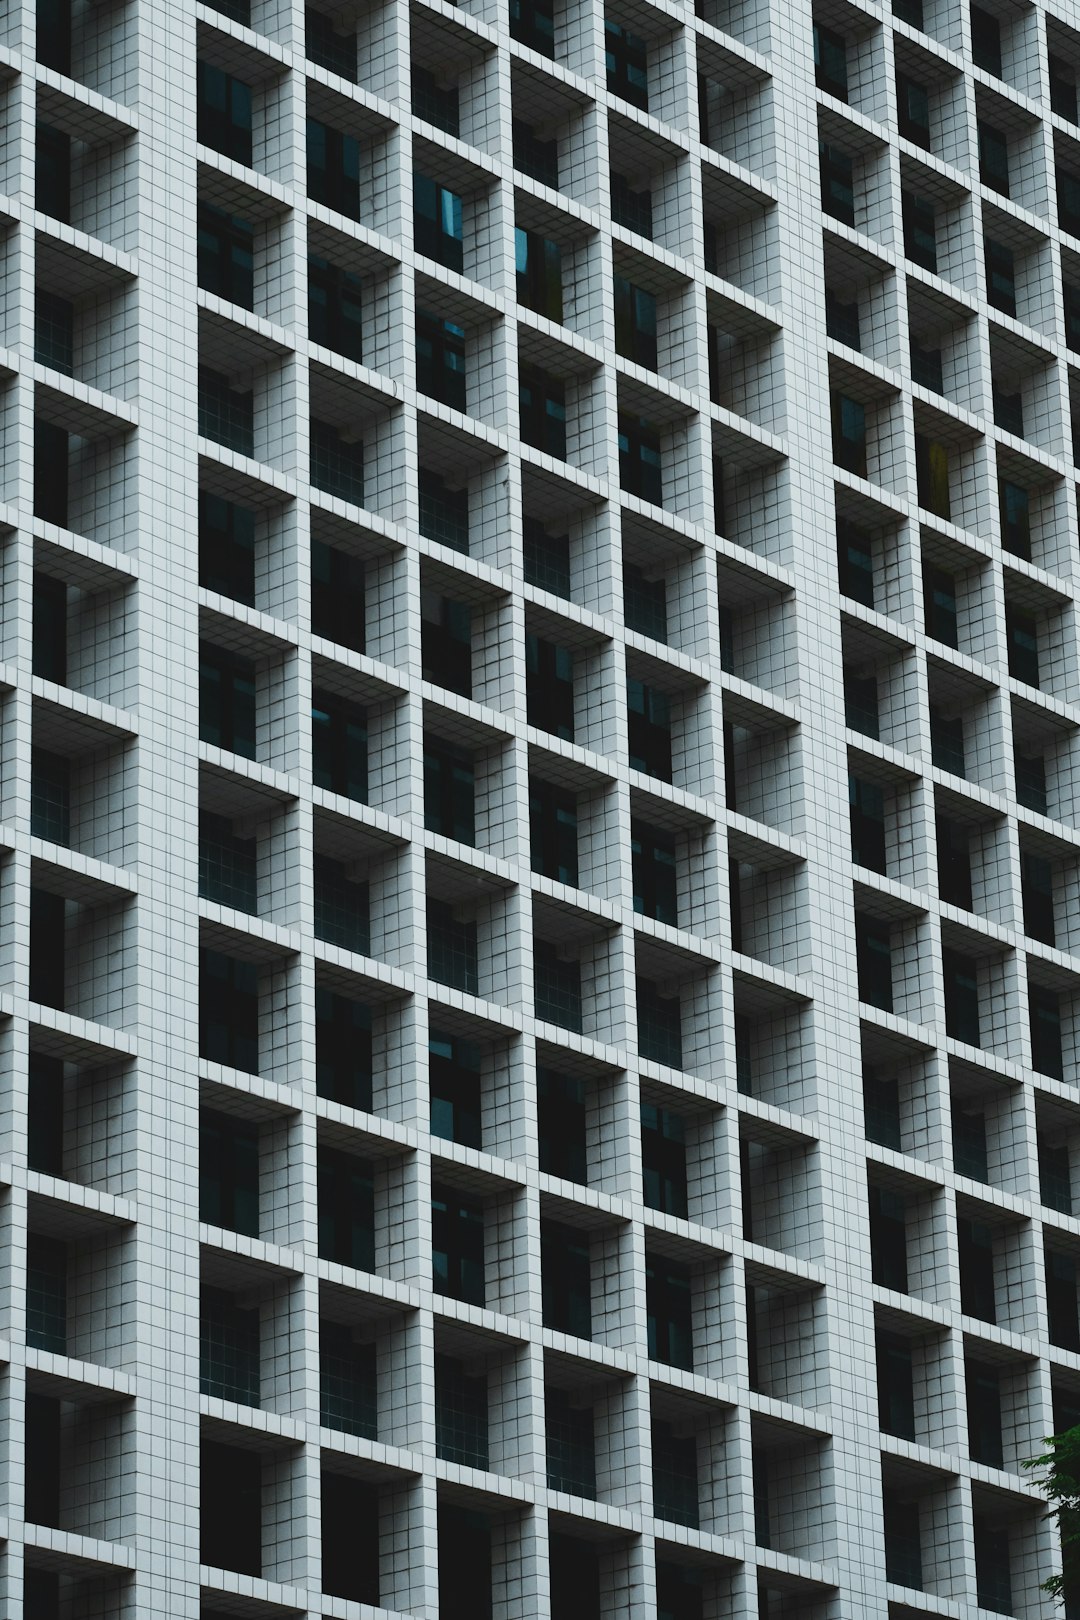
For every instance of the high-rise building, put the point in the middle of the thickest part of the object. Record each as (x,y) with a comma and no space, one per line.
(539,804)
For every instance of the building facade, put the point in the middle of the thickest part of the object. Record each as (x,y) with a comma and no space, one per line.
(540,885)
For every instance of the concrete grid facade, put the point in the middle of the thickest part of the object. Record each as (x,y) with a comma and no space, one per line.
(484,1130)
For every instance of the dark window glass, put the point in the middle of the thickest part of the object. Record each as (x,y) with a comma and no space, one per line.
(649,729)
(669,1314)
(969,1143)
(947,742)
(993,158)
(226,548)
(226,255)
(675,1474)
(553,829)
(438,225)
(842,320)
(465,1538)
(881,1107)
(335,308)
(1062,88)
(867,807)
(1055,1175)
(1009,411)
(538,262)
(226,700)
(562,1111)
(542,400)
(896,1391)
(228,1173)
(837,183)
(659,1020)
(1061,1300)
(830,62)
(1014,508)
(888,1239)
(457,1247)
(920,230)
(435,102)
(346,1210)
(874,952)
(342,915)
(50,472)
(449,792)
(976,1245)
(54,35)
(337,463)
(932,476)
(910,12)
(54,331)
(46,1294)
(1023,641)
(348,1392)
(986,41)
(446,642)
(663,1155)
(855,559)
(440,360)
(1031,781)
(640,467)
(926,368)
(224,113)
(230,1508)
(571,1447)
(41,1453)
(644,602)
(861,703)
(537,158)
(655,875)
(50,797)
(454,1089)
(627,64)
(549,687)
(339,746)
(566,1280)
(1037,886)
(1044,1013)
(1000,276)
(49,633)
(631,209)
(903,1547)
(984,1413)
(849,434)
(228,1348)
(228,865)
(52,173)
(444,511)
(338,601)
(961,997)
(343,1055)
(333,168)
(47,948)
(635,323)
(532,23)
(954,863)
(939,604)
(328,49)
(913,110)
(461,1414)
(350,1538)
(547,559)
(993,1569)
(452,948)
(1072,316)
(556,987)
(228,1011)
(226,414)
